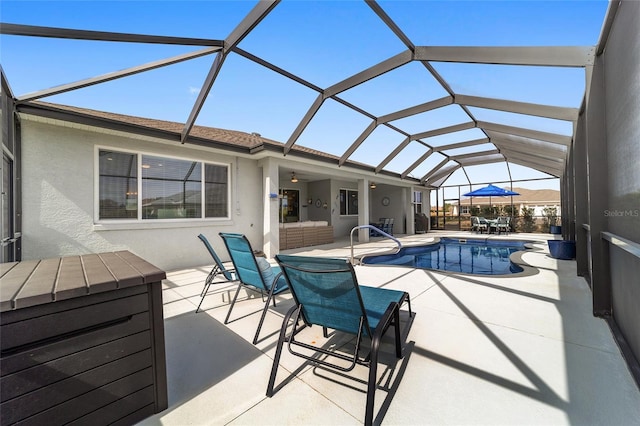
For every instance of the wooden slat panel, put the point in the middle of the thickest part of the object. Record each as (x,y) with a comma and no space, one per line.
(150,272)
(76,276)
(124,273)
(45,374)
(98,276)
(71,282)
(13,281)
(50,326)
(16,362)
(17,315)
(134,407)
(72,398)
(39,288)
(136,417)
(325,235)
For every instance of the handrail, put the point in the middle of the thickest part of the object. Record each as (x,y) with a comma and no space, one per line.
(626,245)
(378,231)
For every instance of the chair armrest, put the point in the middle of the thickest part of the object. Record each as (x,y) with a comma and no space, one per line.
(386,319)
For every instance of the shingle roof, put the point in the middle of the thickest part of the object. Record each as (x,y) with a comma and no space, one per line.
(250,141)
(527,196)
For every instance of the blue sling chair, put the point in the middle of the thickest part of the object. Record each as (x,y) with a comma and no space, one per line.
(218,269)
(327,294)
(253,272)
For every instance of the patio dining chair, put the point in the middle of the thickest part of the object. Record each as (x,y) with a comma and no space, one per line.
(228,275)
(327,294)
(254,272)
(386,224)
(479,224)
(503,224)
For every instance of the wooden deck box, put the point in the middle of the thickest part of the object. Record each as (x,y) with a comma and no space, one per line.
(283,238)
(309,236)
(82,340)
(305,234)
(295,238)
(325,235)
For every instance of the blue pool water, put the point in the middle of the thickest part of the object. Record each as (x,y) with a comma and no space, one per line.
(471,256)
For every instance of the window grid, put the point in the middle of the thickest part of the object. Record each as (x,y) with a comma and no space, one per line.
(348,202)
(167,188)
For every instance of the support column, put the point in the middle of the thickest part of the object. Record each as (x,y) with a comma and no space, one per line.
(270,225)
(426,206)
(568,205)
(363,209)
(410,215)
(581,199)
(598,189)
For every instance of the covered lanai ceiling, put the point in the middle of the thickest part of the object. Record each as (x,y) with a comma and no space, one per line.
(391,84)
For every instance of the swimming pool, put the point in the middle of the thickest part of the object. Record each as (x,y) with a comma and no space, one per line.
(471,256)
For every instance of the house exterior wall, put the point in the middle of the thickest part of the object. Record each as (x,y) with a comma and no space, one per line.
(59,198)
(396,209)
(320,190)
(342,225)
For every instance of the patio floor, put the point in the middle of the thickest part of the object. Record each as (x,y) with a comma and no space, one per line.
(479,350)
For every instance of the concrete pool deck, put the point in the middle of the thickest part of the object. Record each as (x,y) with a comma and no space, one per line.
(479,350)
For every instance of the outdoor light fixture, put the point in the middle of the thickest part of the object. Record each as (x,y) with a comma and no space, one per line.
(372,185)
(294,179)
(310,201)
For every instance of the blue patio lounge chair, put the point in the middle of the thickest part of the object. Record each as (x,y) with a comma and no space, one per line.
(327,294)
(262,277)
(218,269)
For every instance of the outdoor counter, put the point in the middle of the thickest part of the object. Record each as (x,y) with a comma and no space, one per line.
(82,339)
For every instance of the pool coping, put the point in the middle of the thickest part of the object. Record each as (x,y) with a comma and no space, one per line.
(515,257)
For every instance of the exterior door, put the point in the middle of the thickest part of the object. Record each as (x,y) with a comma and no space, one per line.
(8,240)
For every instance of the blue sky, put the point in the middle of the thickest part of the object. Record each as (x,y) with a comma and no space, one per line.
(322,42)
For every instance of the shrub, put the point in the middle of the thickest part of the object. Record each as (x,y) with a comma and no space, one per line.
(550,218)
(527,222)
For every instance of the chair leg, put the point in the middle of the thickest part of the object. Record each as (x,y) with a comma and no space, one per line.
(264,313)
(276,359)
(212,276)
(409,304)
(226,320)
(200,304)
(207,285)
(396,320)
(373,376)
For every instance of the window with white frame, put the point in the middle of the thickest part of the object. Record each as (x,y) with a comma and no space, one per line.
(348,202)
(417,201)
(141,186)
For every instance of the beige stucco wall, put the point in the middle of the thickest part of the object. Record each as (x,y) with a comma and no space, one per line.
(59,197)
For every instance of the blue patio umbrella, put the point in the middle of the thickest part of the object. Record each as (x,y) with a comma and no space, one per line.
(490,191)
